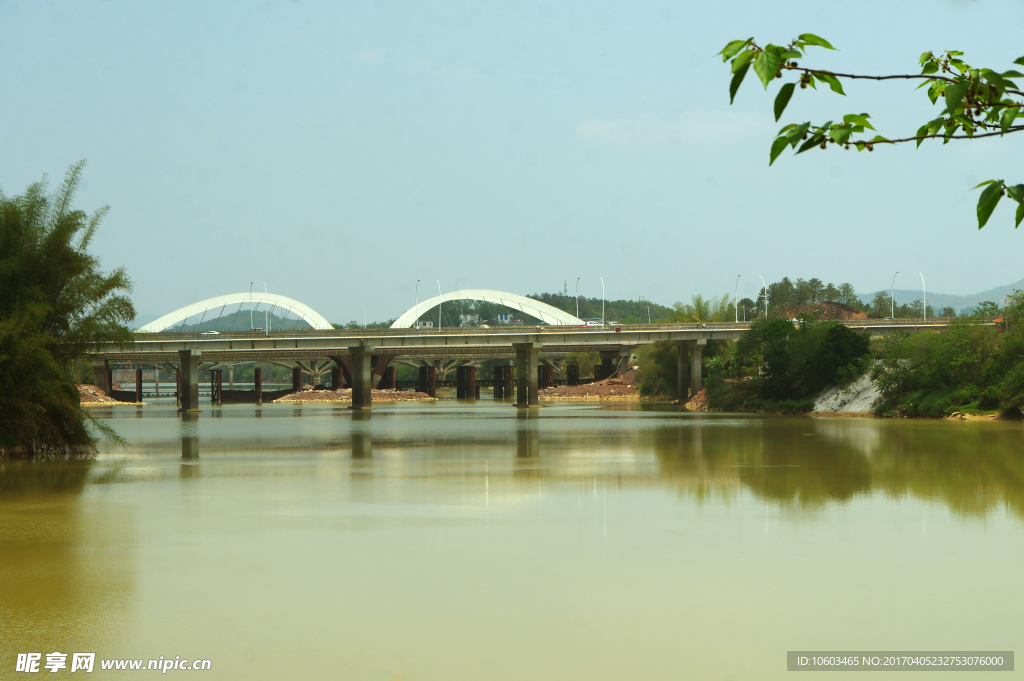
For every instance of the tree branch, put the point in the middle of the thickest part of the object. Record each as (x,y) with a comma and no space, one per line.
(1017,128)
(854,76)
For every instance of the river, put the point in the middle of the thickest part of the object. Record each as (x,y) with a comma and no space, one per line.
(440,541)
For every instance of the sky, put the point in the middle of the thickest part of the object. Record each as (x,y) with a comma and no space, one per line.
(340,151)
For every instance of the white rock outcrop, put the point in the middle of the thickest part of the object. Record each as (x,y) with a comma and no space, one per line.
(860,397)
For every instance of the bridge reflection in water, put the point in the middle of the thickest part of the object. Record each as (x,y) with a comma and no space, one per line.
(796,464)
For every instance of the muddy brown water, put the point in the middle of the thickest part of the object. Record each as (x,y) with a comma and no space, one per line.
(457,541)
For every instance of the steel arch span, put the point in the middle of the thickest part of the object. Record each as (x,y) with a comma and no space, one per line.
(270,300)
(542,311)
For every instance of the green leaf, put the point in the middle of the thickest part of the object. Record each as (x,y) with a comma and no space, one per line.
(767,64)
(988,200)
(733,48)
(811,39)
(736,80)
(1020,215)
(1019,61)
(783,99)
(742,60)
(879,138)
(797,133)
(832,81)
(1006,120)
(859,119)
(921,132)
(811,143)
(1012,74)
(778,145)
(930,67)
(925,56)
(955,95)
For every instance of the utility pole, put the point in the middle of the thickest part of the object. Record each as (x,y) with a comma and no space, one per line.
(602,302)
(736,298)
(765,298)
(892,297)
(924,299)
(577,297)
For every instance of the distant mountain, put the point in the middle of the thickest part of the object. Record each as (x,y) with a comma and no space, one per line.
(941,300)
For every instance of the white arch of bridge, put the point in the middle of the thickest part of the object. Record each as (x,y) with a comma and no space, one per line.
(270,300)
(542,311)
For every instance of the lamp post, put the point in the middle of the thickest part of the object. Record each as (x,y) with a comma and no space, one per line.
(924,299)
(438,304)
(765,297)
(577,297)
(736,298)
(267,295)
(892,297)
(416,307)
(250,306)
(602,302)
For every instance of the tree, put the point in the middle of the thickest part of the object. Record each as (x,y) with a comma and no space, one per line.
(847,294)
(54,302)
(977,103)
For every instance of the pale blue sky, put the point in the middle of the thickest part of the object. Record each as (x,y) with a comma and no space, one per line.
(341,151)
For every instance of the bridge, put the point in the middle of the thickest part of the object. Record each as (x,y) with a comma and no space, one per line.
(364,355)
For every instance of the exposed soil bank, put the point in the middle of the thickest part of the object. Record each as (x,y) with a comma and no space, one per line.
(619,389)
(91,396)
(345,395)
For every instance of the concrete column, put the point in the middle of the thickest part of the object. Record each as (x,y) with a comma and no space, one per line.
(608,361)
(696,366)
(257,377)
(510,380)
(177,387)
(572,374)
(432,381)
(156,381)
(471,389)
(189,379)
(499,382)
(527,356)
(392,378)
(362,379)
(438,364)
(138,385)
(624,358)
(423,385)
(683,378)
(231,377)
(335,378)
(296,379)
(460,383)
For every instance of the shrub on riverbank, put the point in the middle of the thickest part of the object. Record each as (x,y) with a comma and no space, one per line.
(54,302)
(778,366)
(969,367)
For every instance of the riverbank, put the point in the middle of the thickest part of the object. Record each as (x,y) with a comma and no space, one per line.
(345,395)
(611,389)
(91,396)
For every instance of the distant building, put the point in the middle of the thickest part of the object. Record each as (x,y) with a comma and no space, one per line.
(423,325)
(469,320)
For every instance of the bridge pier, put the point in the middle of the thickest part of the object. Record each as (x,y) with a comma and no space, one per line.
(138,386)
(362,378)
(257,377)
(189,379)
(683,375)
(609,360)
(296,379)
(527,355)
(465,387)
(99,372)
(696,382)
